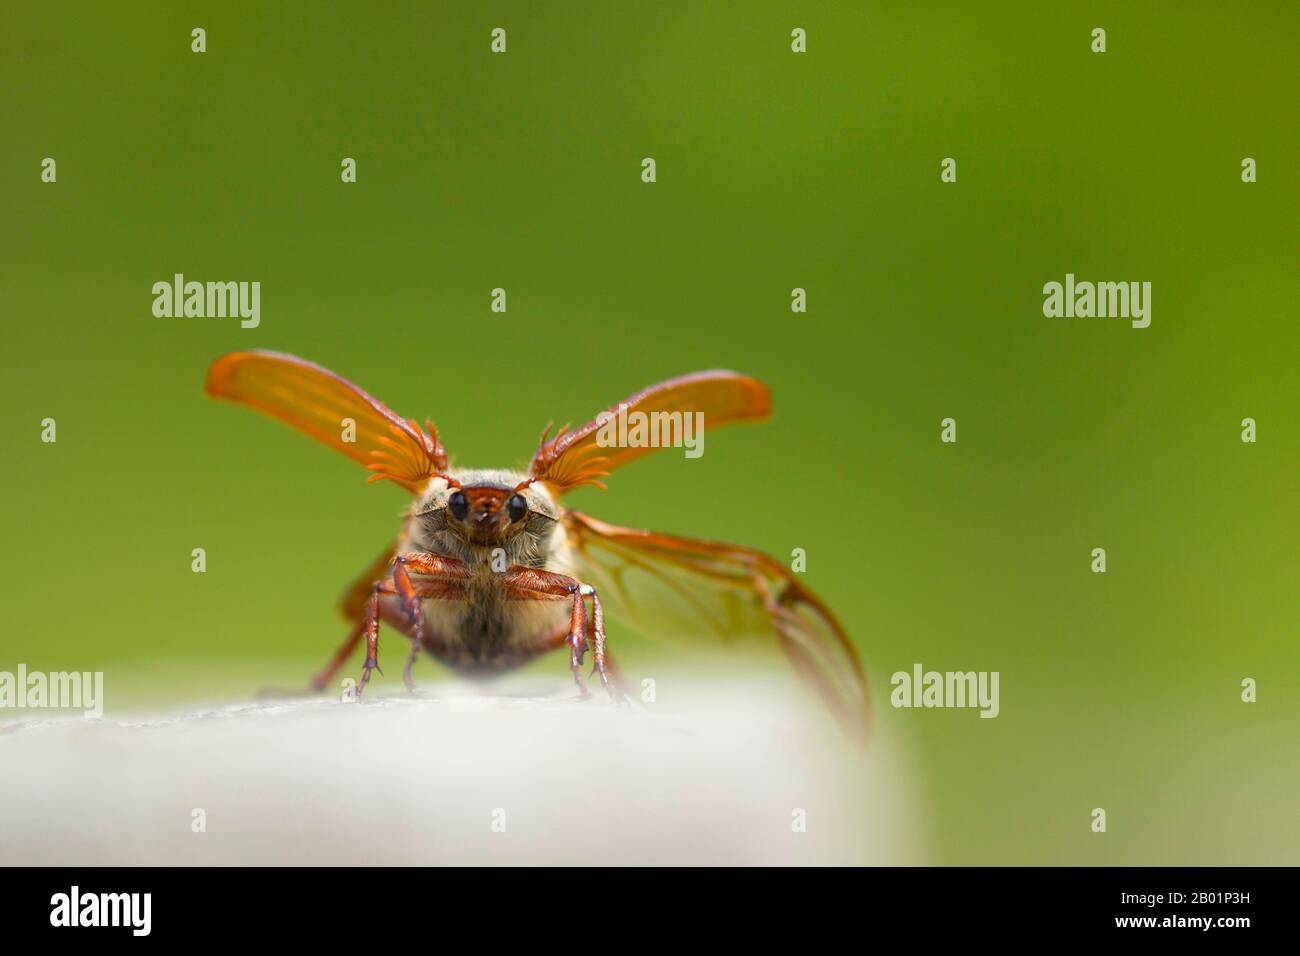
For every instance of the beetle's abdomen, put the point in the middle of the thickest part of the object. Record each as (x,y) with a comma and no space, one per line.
(487,633)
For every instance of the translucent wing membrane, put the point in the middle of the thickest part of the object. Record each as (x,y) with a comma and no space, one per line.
(332,410)
(681,588)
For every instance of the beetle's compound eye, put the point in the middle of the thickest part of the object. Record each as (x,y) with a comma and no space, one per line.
(518,507)
(458,505)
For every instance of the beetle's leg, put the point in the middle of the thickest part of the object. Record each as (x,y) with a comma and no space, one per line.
(603,664)
(449,575)
(353,606)
(562,638)
(577,635)
(371,622)
(407,679)
(449,583)
(411,604)
(597,640)
(534,584)
(578,642)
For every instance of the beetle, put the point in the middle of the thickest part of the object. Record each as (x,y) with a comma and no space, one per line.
(490,570)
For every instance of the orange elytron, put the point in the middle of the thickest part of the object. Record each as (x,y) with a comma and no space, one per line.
(489,570)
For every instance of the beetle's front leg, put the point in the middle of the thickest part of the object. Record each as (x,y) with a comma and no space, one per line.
(448,576)
(578,640)
(603,665)
(536,585)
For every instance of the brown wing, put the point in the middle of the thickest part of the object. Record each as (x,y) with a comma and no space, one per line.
(726,593)
(316,401)
(576,458)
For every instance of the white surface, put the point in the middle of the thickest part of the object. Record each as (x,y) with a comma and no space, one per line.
(707,778)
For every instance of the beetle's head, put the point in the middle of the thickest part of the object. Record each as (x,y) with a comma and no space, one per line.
(488,508)
(486,512)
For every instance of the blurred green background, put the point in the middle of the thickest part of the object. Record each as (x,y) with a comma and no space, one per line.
(775,170)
